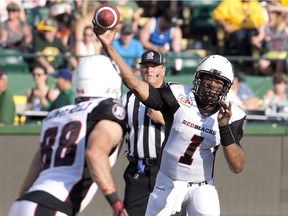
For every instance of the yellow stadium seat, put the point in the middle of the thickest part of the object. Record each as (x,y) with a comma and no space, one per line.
(20,103)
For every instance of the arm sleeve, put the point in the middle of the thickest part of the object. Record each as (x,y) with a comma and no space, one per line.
(220,12)
(162,99)
(238,129)
(154,101)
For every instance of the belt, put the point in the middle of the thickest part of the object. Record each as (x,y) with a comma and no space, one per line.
(197,183)
(147,161)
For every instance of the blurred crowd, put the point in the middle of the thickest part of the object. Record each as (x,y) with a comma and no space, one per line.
(59,33)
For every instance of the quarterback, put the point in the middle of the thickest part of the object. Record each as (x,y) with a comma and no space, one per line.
(198,120)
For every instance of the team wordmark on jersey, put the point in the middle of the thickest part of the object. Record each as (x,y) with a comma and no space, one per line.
(68,109)
(198,127)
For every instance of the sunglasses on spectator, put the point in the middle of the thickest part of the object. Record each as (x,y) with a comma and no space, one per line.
(12,10)
(38,75)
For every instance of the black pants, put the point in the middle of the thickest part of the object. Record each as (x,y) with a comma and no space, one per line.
(138,188)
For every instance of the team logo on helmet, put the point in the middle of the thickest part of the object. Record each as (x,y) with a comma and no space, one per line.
(215,72)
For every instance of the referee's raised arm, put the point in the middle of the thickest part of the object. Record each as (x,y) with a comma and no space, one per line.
(138,87)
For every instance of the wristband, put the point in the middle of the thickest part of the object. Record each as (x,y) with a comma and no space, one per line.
(112,198)
(226,135)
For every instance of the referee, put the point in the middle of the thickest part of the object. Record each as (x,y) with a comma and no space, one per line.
(144,138)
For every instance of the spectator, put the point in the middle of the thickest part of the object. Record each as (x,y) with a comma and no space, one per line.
(130,13)
(241,20)
(7,105)
(49,49)
(283,3)
(281,6)
(62,13)
(274,43)
(129,47)
(63,79)
(163,34)
(4,12)
(35,11)
(276,99)
(241,94)
(145,135)
(162,6)
(15,33)
(41,89)
(78,146)
(90,44)
(86,10)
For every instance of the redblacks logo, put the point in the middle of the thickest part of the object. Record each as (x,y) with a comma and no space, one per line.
(199,127)
(184,100)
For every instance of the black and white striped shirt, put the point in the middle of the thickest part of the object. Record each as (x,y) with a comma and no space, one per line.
(144,137)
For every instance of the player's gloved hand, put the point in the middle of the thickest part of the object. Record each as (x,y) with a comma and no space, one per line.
(119,209)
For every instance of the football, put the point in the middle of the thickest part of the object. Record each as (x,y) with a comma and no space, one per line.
(106,16)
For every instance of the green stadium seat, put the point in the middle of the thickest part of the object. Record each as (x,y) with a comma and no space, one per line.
(12,60)
(34,15)
(190,60)
(44,13)
(199,25)
(201,18)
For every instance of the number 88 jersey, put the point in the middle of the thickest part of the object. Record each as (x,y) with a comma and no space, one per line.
(63,139)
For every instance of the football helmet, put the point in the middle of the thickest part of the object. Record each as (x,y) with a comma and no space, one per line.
(97,76)
(218,67)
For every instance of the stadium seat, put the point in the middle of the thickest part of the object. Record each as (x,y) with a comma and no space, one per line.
(201,18)
(44,13)
(20,102)
(201,25)
(190,60)
(12,60)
